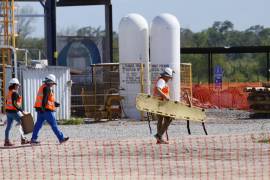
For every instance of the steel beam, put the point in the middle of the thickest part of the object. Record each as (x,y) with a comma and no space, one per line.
(226,50)
(210,68)
(50,31)
(268,66)
(109,34)
(82,2)
(108,57)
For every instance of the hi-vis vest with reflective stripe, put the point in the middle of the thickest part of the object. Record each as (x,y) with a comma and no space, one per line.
(51,100)
(9,105)
(165,90)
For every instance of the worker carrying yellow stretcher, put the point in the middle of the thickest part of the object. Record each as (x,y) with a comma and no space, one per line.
(165,110)
(173,109)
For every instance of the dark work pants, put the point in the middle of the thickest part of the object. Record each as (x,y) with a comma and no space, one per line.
(163,124)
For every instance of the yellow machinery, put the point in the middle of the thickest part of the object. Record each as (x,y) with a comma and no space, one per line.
(103,100)
(7,38)
(112,108)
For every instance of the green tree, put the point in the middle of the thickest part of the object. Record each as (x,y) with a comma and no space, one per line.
(91,32)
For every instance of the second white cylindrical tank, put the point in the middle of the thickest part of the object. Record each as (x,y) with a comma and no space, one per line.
(165,50)
(133,50)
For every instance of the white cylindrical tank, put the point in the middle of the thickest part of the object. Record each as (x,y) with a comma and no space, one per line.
(165,50)
(133,50)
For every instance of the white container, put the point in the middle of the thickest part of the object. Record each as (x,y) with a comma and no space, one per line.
(165,50)
(133,50)
(31,79)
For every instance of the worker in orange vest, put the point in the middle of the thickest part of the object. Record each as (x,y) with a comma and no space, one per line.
(14,110)
(45,106)
(162,91)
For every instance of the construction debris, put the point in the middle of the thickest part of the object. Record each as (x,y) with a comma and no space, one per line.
(259,101)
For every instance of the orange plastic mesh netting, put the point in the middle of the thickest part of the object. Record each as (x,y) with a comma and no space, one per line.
(230,95)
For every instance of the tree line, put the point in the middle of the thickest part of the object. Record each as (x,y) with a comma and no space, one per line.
(236,67)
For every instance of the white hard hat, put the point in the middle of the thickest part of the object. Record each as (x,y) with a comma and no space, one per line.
(168,72)
(50,78)
(14,81)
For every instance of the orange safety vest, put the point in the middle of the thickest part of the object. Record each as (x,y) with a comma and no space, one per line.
(51,99)
(9,105)
(165,90)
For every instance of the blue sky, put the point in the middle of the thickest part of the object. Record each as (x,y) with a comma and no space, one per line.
(193,14)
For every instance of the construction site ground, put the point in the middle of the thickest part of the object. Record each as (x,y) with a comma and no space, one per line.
(125,149)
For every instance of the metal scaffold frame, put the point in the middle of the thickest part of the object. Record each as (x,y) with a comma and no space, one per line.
(7,42)
(50,24)
(7,20)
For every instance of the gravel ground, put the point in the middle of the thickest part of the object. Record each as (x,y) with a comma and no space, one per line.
(125,149)
(218,122)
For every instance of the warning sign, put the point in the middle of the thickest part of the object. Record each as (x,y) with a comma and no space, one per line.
(218,77)
(130,73)
(156,69)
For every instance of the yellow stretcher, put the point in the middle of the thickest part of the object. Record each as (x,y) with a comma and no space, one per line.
(175,110)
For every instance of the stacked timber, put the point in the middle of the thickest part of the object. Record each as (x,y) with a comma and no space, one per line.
(259,101)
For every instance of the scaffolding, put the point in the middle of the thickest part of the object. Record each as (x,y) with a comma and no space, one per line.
(7,39)
(7,23)
(186,78)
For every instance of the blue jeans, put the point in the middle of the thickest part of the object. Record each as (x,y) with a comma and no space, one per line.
(10,117)
(50,117)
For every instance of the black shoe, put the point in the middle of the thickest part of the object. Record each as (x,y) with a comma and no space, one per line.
(34,142)
(64,140)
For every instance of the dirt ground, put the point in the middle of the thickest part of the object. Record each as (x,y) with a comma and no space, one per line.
(236,148)
(193,157)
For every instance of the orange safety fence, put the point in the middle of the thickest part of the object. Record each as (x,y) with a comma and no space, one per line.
(244,156)
(231,95)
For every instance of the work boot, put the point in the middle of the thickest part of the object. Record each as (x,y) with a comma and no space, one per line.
(8,143)
(24,141)
(160,140)
(157,136)
(64,140)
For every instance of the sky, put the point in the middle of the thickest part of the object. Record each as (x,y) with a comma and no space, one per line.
(196,15)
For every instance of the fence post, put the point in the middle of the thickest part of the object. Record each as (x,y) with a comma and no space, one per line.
(142,84)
